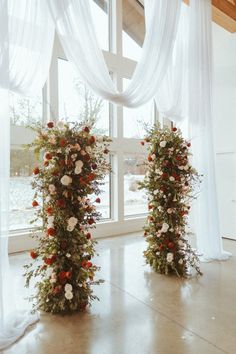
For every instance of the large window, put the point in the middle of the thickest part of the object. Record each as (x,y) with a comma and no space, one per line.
(100,15)
(77,102)
(67,98)
(136,119)
(24,111)
(135,200)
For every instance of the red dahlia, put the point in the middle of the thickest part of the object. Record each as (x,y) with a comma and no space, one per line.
(86,129)
(50,124)
(92,140)
(51,231)
(61,203)
(48,156)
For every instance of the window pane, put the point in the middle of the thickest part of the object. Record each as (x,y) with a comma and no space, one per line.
(77,102)
(135,200)
(99,10)
(133,29)
(136,118)
(21,192)
(104,206)
(25,110)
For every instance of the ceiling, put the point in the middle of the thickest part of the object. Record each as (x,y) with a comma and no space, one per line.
(223,13)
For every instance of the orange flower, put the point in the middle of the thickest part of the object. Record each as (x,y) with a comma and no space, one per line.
(62,142)
(35,203)
(49,210)
(36,171)
(33,255)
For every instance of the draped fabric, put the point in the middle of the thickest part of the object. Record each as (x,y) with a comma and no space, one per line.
(172,96)
(209,242)
(78,38)
(26,39)
(186,93)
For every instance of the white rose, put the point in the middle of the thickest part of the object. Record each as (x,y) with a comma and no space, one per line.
(169,257)
(163,143)
(153,156)
(88,149)
(68,295)
(171,178)
(68,255)
(72,221)
(169,210)
(78,167)
(66,180)
(68,288)
(73,156)
(51,188)
(165,227)
(99,139)
(180,243)
(60,125)
(50,221)
(70,228)
(180,261)
(47,199)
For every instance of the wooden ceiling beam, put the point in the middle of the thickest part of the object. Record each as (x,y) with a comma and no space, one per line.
(223,13)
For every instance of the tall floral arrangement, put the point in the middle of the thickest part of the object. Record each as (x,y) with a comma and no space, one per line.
(67,183)
(171,184)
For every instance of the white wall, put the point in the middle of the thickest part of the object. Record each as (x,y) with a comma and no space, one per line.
(224,114)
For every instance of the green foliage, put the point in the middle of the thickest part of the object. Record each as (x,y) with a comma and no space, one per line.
(171,184)
(66,187)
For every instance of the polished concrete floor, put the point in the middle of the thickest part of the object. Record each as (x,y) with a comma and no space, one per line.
(141,312)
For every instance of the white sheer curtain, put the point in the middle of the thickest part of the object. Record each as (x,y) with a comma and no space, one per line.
(78,38)
(209,241)
(172,96)
(26,39)
(186,93)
